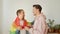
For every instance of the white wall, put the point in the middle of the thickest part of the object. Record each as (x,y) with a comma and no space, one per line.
(0,16)
(53,10)
(50,9)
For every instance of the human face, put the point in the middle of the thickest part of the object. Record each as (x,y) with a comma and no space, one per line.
(21,15)
(34,11)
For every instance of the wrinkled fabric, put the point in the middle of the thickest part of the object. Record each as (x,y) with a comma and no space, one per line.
(40,25)
(17,23)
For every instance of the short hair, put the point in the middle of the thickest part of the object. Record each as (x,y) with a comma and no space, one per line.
(37,6)
(19,11)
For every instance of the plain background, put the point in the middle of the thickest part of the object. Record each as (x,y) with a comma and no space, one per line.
(8,8)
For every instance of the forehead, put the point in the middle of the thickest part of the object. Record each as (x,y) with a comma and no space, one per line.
(34,8)
(21,12)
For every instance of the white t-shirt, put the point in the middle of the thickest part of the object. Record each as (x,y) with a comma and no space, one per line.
(21,22)
(22,31)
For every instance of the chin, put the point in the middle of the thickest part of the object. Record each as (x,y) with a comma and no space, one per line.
(34,14)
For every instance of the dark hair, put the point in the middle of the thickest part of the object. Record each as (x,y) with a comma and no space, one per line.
(19,11)
(37,6)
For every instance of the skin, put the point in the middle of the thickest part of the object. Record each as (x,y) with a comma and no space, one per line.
(36,11)
(21,16)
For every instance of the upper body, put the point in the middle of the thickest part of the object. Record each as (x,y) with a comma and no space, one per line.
(40,25)
(20,22)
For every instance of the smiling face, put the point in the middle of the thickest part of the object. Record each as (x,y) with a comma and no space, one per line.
(35,11)
(21,15)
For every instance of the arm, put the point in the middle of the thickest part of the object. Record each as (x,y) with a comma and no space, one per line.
(16,26)
(43,25)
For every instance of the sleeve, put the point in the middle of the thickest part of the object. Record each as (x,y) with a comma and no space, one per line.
(25,23)
(14,25)
(38,27)
(43,25)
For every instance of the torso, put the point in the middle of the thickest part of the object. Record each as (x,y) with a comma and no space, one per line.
(21,22)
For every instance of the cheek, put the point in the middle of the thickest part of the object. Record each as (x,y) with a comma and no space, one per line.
(22,15)
(34,12)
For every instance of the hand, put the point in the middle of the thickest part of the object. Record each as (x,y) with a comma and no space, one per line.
(19,28)
(26,28)
(29,25)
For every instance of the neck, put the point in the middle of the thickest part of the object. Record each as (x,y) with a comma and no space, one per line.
(20,18)
(38,14)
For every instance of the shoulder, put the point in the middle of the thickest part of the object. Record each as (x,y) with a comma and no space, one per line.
(42,17)
(25,20)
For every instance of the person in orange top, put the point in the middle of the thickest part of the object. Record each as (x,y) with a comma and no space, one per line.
(20,23)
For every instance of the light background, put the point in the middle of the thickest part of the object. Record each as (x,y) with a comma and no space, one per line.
(51,8)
